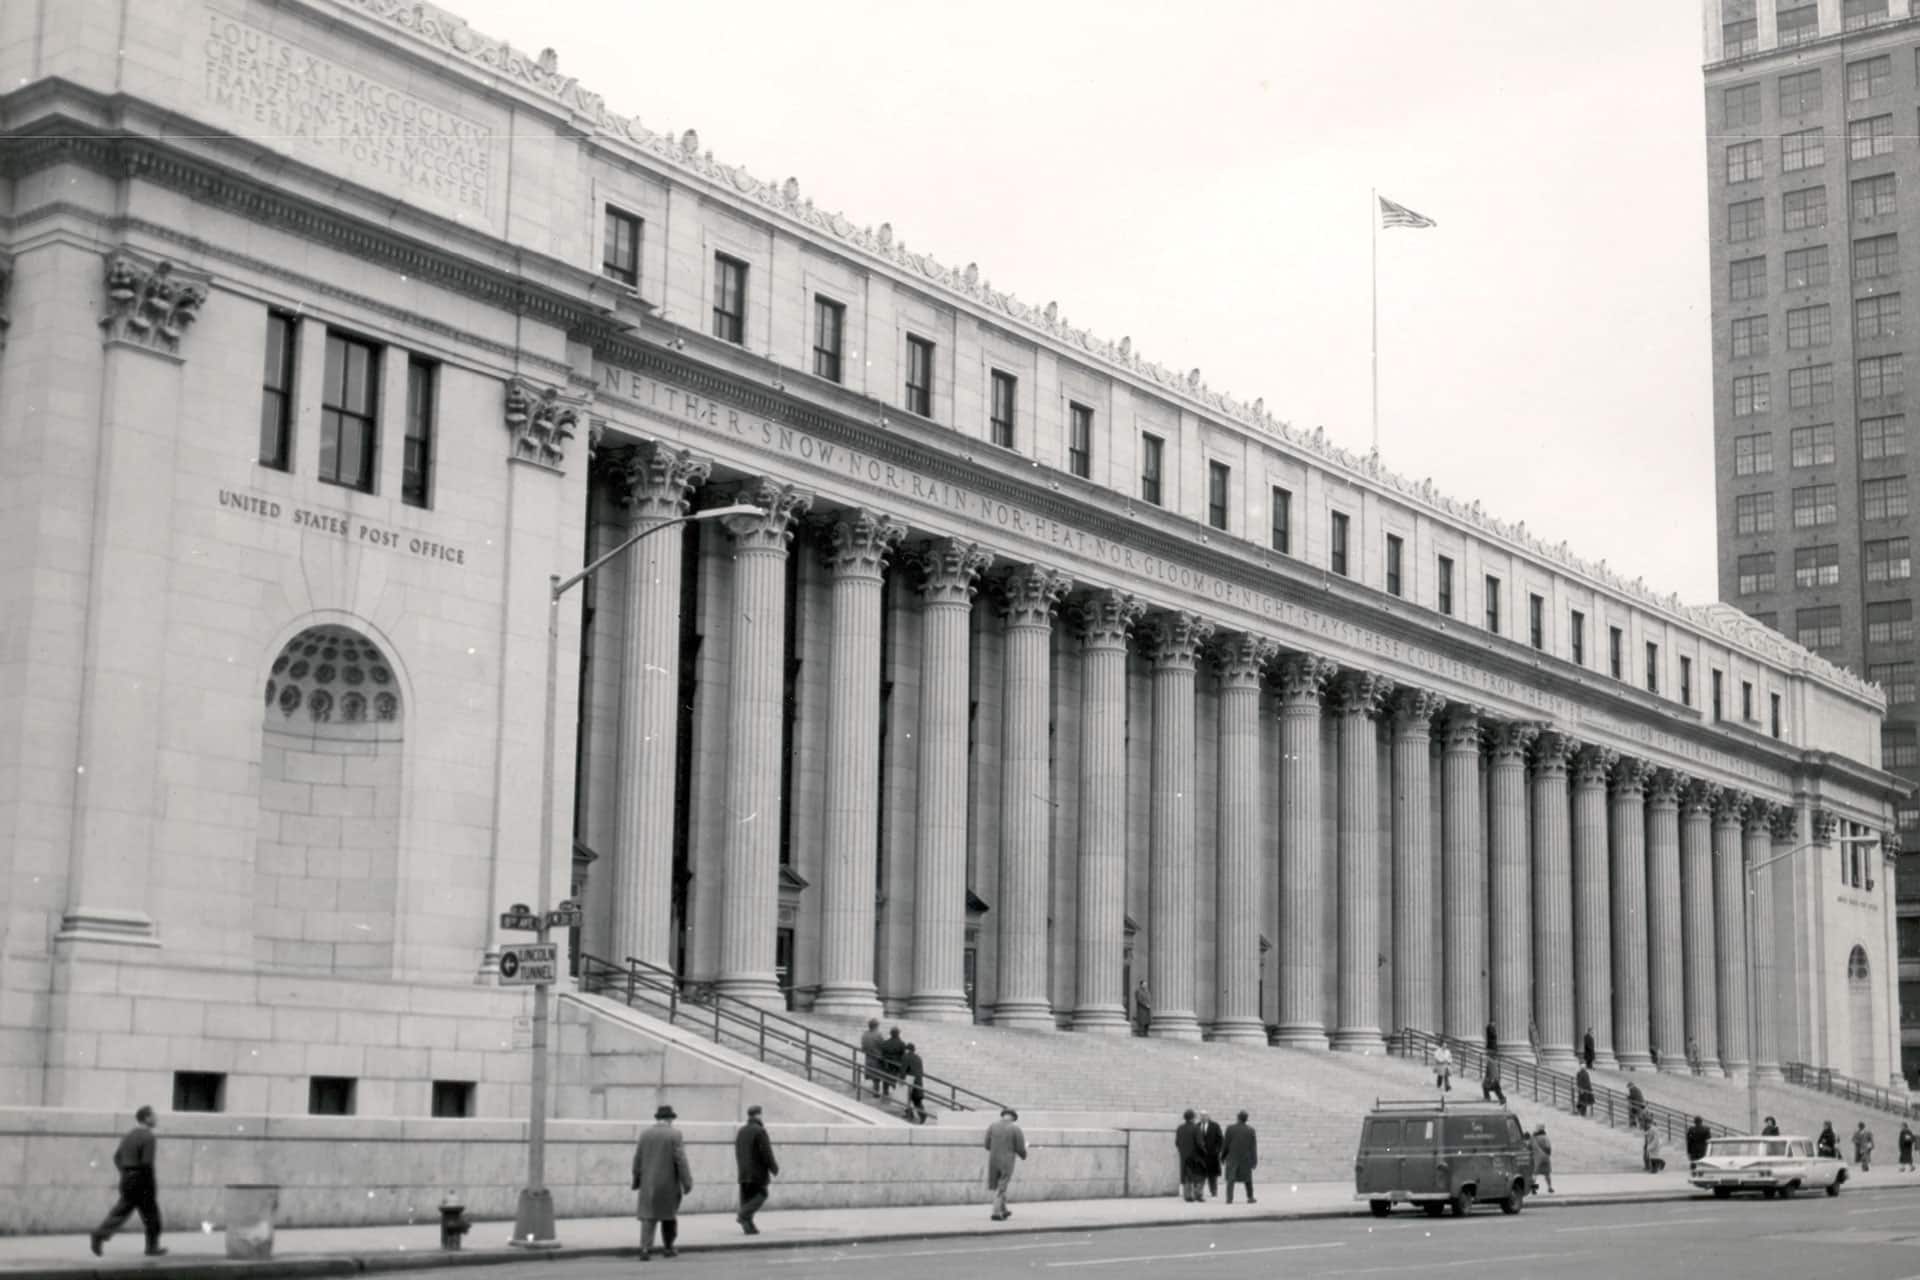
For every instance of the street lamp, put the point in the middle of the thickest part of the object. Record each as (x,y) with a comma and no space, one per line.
(533,1217)
(1753,995)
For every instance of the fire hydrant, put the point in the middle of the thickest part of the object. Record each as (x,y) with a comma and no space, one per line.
(453,1222)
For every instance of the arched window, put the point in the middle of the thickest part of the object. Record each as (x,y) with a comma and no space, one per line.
(1857,965)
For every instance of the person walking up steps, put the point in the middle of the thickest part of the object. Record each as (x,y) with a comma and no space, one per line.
(1005,1144)
(1242,1155)
(139,1186)
(1443,1068)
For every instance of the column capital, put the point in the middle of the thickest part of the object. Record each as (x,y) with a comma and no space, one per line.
(858,542)
(1698,797)
(1825,823)
(783,504)
(1510,740)
(1174,638)
(1552,752)
(1413,709)
(540,421)
(652,480)
(1759,815)
(1360,693)
(1303,678)
(1242,658)
(150,304)
(1630,775)
(1461,727)
(1890,842)
(1664,788)
(1784,823)
(1730,806)
(1592,764)
(950,569)
(1029,594)
(1105,618)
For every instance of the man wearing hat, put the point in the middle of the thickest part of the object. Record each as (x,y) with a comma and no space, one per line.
(661,1176)
(1005,1143)
(753,1154)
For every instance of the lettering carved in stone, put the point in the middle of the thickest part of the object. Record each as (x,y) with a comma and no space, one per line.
(1175,638)
(541,421)
(1106,617)
(1242,658)
(1030,593)
(149,304)
(858,543)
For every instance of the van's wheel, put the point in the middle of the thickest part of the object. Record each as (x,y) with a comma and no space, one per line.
(1462,1202)
(1381,1208)
(1512,1203)
(1722,1193)
(1434,1208)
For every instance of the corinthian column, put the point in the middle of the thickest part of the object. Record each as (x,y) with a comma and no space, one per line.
(1302,946)
(1627,832)
(1510,939)
(1241,660)
(1697,800)
(1553,986)
(749,912)
(1665,969)
(858,544)
(1357,1026)
(652,482)
(948,570)
(1416,997)
(1174,640)
(1592,990)
(1104,620)
(1463,873)
(1028,597)
(1730,930)
(1759,847)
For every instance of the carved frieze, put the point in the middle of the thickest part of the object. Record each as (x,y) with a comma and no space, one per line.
(150,304)
(1105,618)
(540,421)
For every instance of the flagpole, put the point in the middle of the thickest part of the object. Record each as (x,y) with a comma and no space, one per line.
(1373,223)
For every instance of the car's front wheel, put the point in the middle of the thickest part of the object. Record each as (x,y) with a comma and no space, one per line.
(1833,1188)
(1434,1208)
(1722,1193)
(1769,1192)
(1380,1208)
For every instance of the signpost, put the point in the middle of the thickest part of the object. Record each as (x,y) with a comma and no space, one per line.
(532,964)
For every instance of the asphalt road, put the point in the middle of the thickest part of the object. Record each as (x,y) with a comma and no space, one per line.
(1859,1236)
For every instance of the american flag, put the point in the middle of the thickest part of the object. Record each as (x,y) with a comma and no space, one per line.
(1398,215)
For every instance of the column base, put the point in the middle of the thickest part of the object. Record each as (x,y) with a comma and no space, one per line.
(1024,1015)
(1516,1050)
(938,1006)
(1103,1020)
(1358,1040)
(1603,1060)
(1673,1067)
(855,1000)
(1174,1026)
(1768,1071)
(103,924)
(489,972)
(1301,1035)
(760,992)
(1558,1057)
(1733,1070)
(1238,1031)
(1636,1062)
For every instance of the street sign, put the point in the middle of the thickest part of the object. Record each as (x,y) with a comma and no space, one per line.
(564,919)
(530,964)
(519,916)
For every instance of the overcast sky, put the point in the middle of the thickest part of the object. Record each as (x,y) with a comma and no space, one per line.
(1196,175)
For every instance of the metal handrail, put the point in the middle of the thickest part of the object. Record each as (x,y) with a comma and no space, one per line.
(1830,1081)
(1544,1084)
(773,1038)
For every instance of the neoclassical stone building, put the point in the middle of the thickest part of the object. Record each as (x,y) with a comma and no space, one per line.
(333,328)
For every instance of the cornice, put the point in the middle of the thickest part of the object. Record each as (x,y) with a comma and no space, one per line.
(1888,786)
(1756,62)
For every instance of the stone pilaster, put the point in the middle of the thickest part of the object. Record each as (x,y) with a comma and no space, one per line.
(1627,835)
(1028,597)
(653,482)
(1759,847)
(1593,988)
(1730,930)
(857,546)
(1241,660)
(1463,874)
(1510,923)
(1104,619)
(949,569)
(1416,996)
(1553,985)
(1174,641)
(1666,968)
(1357,700)
(750,908)
(1302,939)
(1784,988)
(1697,801)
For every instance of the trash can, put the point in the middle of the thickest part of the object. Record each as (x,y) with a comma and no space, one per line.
(251,1207)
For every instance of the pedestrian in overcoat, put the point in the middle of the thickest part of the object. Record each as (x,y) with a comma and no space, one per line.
(139,1185)
(870,1042)
(757,1168)
(1650,1146)
(1542,1157)
(916,1073)
(1863,1147)
(1241,1156)
(1698,1136)
(1005,1144)
(661,1176)
(1213,1143)
(1193,1164)
(1582,1092)
(1493,1040)
(1829,1141)
(893,1059)
(1906,1148)
(1586,1049)
(1142,1009)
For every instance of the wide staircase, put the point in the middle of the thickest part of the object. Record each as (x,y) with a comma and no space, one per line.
(1799,1110)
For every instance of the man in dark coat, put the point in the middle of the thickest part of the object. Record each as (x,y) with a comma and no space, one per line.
(1582,1092)
(1241,1155)
(1193,1165)
(916,1075)
(1005,1144)
(893,1059)
(1770,1128)
(139,1186)
(1636,1105)
(1490,1082)
(1829,1141)
(870,1041)
(1493,1040)
(1698,1136)
(753,1157)
(661,1176)
(1586,1049)
(1212,1143)
(1142,1009)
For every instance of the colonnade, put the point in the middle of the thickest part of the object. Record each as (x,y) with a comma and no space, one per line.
(1605,893)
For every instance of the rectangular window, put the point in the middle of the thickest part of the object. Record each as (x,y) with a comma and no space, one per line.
(1804,210)
(1219,480)
(1750,336)
(1798,25)
(1809,327)
(1443,581)
(1809,387)
(1869,77)
(1079,439)
(1804,149)
(1653,667)
(1815,505)
(1282,521)
(1718,680)
(1899,747)
(729,299)
(1816,566)
(1755,574)
(1536,621)
(1753,513)
(1152,448)
(829,328)
(416,474)
(1856,14)
(1743,161)
(1882,376)
(330,1095)
(1883,437)
(1800,93)
(620,248)
(1746,220)
(1753,455)
(1874,197)
(1773,704)
(453,1099)
(1337,545)
(1002,419)
(1686,681)
(349,413)
(1876,256)
(1866,138)
(1890,622)
(1577,624)
(276,397)
(1740,37)
(1752,393)
(1493,604)
(1747,279)
(1884,499)
(1394,549)
(920,377)
(1746,700)
(1813,446)
(1889,560)
(1740,106)
(1806,268)
(1897,678)
(1877,317)
(199,1091)
(1616,642)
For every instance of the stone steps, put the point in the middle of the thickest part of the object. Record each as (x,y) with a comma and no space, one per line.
(1799,1110)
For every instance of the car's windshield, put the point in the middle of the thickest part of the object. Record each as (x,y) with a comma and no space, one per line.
(1746,1147)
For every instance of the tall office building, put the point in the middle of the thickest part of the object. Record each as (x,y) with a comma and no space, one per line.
(1814,185)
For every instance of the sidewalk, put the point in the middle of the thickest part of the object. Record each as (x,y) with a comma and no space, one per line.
(339,1251)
